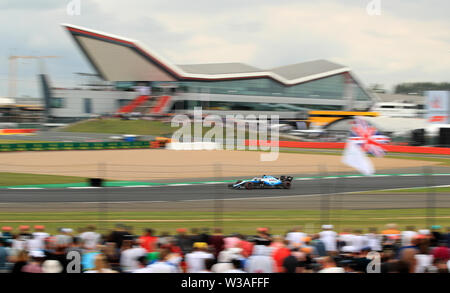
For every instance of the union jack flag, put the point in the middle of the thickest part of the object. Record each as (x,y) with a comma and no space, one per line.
(368,137)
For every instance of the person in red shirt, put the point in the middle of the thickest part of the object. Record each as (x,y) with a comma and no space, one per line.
(442,252)
(280,252)
(148,241)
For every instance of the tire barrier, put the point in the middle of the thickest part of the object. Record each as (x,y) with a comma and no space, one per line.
(17,131)
(95,182)
(61,146)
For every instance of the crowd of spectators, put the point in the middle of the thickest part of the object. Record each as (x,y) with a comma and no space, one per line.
(199,251)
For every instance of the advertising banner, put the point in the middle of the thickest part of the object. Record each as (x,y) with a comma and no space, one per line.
(438,107)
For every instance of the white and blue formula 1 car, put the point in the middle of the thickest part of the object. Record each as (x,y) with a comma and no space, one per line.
(264,182)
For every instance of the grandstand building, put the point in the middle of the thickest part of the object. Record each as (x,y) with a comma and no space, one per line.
(220,88)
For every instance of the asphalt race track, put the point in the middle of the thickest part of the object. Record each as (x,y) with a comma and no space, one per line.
(205,192)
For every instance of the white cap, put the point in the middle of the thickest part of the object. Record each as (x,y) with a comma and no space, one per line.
(52,267)
(424,232)
(37,253)
(327,227)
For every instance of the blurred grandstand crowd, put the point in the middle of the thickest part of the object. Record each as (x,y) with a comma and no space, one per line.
(199,251)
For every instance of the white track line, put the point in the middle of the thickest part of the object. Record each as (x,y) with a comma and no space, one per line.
(243,198)
(84,187)
(25,188)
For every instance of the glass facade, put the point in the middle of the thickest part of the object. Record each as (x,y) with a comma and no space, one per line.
(325,88)
(57,103)
(249,106)
(359,94)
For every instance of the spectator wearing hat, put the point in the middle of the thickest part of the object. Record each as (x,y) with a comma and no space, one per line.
(6,233)
(328,237)
(24,231)
(195,261)
(37,241)
(39,232)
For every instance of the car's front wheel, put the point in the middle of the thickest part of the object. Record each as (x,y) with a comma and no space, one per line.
(287,185)
(249,185)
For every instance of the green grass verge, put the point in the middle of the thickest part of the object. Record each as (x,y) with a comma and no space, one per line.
(413,190)
(138,127)
(117,126)
(13,179)
(279,221)
(9,141)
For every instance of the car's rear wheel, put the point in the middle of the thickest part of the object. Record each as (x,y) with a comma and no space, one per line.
(249,185)
(287,185)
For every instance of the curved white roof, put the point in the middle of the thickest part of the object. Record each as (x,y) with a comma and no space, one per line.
(117,58)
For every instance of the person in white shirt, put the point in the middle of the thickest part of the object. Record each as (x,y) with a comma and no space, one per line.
(359,241)
(295,237)
(260,261)
(408,235)
(37,242)
(346,240)
(224,262)
(328,237)
(40,233)
(374,239)
(195,261)
(90,238)
(130,255)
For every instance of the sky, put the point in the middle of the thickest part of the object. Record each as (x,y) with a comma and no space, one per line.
(398,41)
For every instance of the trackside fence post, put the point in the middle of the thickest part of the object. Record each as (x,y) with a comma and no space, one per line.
(102,198)
(430,197)
(324,196)
(218,198)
